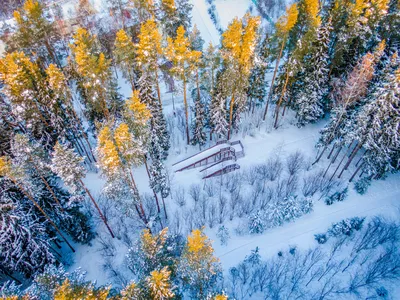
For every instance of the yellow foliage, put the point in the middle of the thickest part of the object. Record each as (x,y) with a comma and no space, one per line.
(124,50)
(32,10)
(286,22)
(18,73)
(379,51)
(168,6)
(221,297)
(178,51)
(131,291)
(108,157)
(231,39)
(109,160)
(140,112)
(66,291)
(160,287)
(199,253)
(312,9)
(5,166)
(149,46)
(239,41)
(104,135)
(56,79)
(151,244)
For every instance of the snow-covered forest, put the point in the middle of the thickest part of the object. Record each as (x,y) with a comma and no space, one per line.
(199,149)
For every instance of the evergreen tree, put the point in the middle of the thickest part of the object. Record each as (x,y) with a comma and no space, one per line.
(257,89)
(184,12)
(35,33)
(219,124)
(283,27)
(25,87)
(118,152)
(149,51)
(86,291)
(85,14)
(144,9)
(376,128)
(158,124)
(24,242)
(296,64)
(184,62)
(169,18)
(238,45)
(63,107)
(310,103)
(199,269)
(198,135)
(125,56)
(16,175)
(94,74)
(196,41)
(348,96)
(68,166)
(211,64)
(152,252)
(159,284)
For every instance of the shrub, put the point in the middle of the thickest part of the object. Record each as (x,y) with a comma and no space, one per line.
(346,227)
(223,235)
(321,238)
(337,197)
(256,223)
(361,185)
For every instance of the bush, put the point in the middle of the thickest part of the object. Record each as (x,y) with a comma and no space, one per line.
(223,235)
(361,185)
(346,227)
(321,238)
(256,223)
(336,197)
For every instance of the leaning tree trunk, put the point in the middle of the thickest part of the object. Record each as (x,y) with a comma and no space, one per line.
(353,154)
(186,111)
(97,207)
(356,171)
(273,78)
(280,100)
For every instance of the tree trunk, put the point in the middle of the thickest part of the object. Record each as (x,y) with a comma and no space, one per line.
(332,160)
(186,111)
(361,158)
(330,153)
(165,210)
(337,168)
(230,116)
(158,87)
(337,154)
(320,155)
(97,207)
(356,171)
(273,78)
(280,101)
(43,212)
(355,151)
(155,194)
(142,214)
